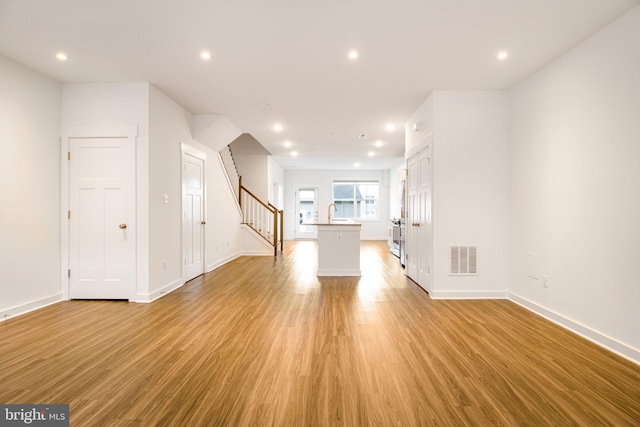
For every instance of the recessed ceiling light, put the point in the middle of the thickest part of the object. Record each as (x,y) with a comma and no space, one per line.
(502,55)
(294,154)
(371,154)
(353,54)
(357,165)
(287,144)
(61,56)
(277,127)
(390,127)
(205,55)
(379,143)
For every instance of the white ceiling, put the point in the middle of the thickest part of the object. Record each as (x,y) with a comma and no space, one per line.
(292,55)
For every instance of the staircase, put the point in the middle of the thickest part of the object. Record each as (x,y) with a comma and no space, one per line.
(263,218)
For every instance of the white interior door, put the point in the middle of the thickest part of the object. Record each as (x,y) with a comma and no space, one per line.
(425,235)
(306,212)
(413,214)
(419,240)
(101,218)
(193,221)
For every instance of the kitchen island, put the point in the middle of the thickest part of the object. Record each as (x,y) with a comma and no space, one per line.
(338,247)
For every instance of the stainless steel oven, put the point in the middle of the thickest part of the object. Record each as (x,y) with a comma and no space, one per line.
(395,248)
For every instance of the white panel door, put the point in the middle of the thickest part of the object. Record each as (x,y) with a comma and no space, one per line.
(193,221)
(306,212)
(419,239)
(424,218)
(101,218)
(413,215)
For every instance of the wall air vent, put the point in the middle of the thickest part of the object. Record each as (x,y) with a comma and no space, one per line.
(463,260)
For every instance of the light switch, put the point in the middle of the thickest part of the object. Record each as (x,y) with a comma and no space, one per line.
(166,198)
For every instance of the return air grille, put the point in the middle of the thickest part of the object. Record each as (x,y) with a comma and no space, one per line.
(464,260)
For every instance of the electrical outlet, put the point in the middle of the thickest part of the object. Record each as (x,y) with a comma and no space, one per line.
(545,281)
(164,264)
(339,237)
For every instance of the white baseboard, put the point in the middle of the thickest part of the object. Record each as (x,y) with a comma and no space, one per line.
(611,344)
(21,309)
(147,298)
(222,262)
(256,253)
(339,272)
(468,294)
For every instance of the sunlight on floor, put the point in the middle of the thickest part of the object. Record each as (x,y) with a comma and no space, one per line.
(370,287)
(306,266)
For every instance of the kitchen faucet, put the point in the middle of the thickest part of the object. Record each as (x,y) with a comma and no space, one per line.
(334,208)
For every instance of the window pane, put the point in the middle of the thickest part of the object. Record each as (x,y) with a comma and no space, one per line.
(306,211)
(367,209)
(367,191)
(356,199)
(343,191)
(344,209)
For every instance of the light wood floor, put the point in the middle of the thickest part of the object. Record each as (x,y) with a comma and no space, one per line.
(263,341)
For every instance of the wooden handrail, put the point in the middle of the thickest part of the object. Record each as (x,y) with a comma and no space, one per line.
(281,228)
(257,215)
(257,199)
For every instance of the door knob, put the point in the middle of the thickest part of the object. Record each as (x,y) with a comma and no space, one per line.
(203,222)
(123,226)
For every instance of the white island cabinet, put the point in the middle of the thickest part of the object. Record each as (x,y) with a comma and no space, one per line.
(339,248)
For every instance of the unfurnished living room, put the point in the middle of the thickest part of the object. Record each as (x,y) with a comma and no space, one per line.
(290,213)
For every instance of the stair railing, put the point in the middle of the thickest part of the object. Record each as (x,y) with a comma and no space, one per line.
(232,170)
(280,232)
(262,218)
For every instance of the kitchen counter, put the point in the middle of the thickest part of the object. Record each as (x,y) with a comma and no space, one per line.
(338,247)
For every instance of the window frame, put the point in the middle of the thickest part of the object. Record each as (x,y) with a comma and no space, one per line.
(355,200)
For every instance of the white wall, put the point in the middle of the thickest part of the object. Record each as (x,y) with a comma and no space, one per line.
(575,187)
(162,125)
(100,105)
(371,229)
(252,162)
(276,178)
(470,189)
(30,189)
(469,133)
(169,125)
(396,174)
(223,231)
(422,119)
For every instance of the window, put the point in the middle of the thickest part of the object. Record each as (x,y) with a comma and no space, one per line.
(356,199)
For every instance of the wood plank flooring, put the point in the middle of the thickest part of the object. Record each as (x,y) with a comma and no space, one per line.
(263,341)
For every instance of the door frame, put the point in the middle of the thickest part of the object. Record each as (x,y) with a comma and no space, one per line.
(296,215)
(186,149)
(66,135)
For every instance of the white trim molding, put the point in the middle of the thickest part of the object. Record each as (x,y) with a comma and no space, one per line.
(25,308)
(164,291)
(611,344)
(222,262)
(435,294)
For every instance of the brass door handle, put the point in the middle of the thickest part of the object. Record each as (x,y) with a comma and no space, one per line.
(123,226)
(203,222)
